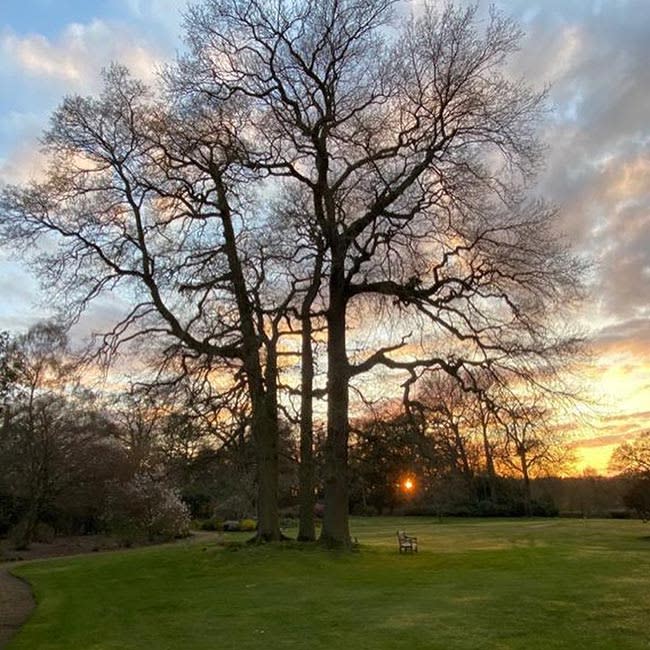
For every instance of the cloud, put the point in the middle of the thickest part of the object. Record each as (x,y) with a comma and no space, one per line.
(40,71)
(19,291)
(594,56)
(77,56)
(24,163)
(629,335)
(165,15)
(601,441)
(593,53)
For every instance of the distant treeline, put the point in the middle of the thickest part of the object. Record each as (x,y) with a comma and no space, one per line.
(585,496)
(144,463)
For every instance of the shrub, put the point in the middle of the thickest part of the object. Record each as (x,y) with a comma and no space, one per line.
(288,522)
(145,509)
(544,507)
(44,533)
(247,525)
(12,509)
(199,504)
(212,524)
(488,508)
(619,514)
(19,536)
(290,512)
(361,510)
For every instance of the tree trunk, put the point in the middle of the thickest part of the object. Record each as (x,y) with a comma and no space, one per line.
(526,477)
(265,435)
(27,529)
(336,532)
(468,475)
(489,461)
(264,407)
(307,499)
(306,528)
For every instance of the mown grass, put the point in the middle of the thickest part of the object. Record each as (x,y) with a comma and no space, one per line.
(474,584)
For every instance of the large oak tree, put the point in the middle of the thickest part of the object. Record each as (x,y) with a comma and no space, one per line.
(410,149)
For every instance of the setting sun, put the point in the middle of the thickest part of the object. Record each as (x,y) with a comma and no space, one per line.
(409,484)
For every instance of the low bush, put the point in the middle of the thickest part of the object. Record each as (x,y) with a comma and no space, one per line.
(198,503)
(211,524)
(26,532)
(543,507)
(19,536)
(620,514)
(290,512)
(12,510)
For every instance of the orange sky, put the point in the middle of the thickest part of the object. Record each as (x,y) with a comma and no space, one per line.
(593,458)
(619,383)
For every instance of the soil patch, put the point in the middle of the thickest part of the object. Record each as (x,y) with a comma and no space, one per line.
(60,547)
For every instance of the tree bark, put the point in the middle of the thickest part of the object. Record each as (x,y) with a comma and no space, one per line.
(336,531)
(489,465)
(526,477)
(264,405)
(307,497)
(265,435)
(307,500)
(462,452)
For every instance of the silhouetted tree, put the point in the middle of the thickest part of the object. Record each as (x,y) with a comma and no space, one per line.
(53,431)
(412,151)
(395,130)
(633,457)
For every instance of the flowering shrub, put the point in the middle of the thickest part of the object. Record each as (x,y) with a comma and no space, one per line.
(247,525)
(144,508)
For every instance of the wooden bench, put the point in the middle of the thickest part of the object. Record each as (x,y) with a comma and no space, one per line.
(406,542)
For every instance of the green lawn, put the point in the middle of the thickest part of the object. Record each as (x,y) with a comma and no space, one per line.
(474,584)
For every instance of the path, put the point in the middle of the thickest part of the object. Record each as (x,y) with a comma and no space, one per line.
(16,604)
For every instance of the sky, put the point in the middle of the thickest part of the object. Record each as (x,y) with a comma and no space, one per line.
(594,57)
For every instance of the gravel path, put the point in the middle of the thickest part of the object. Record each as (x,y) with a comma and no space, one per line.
(16,604)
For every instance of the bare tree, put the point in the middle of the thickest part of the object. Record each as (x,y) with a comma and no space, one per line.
(142,200)
(413,146)
(51,428)
(10,366)
(448,415)
(633,457)
(532,445)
